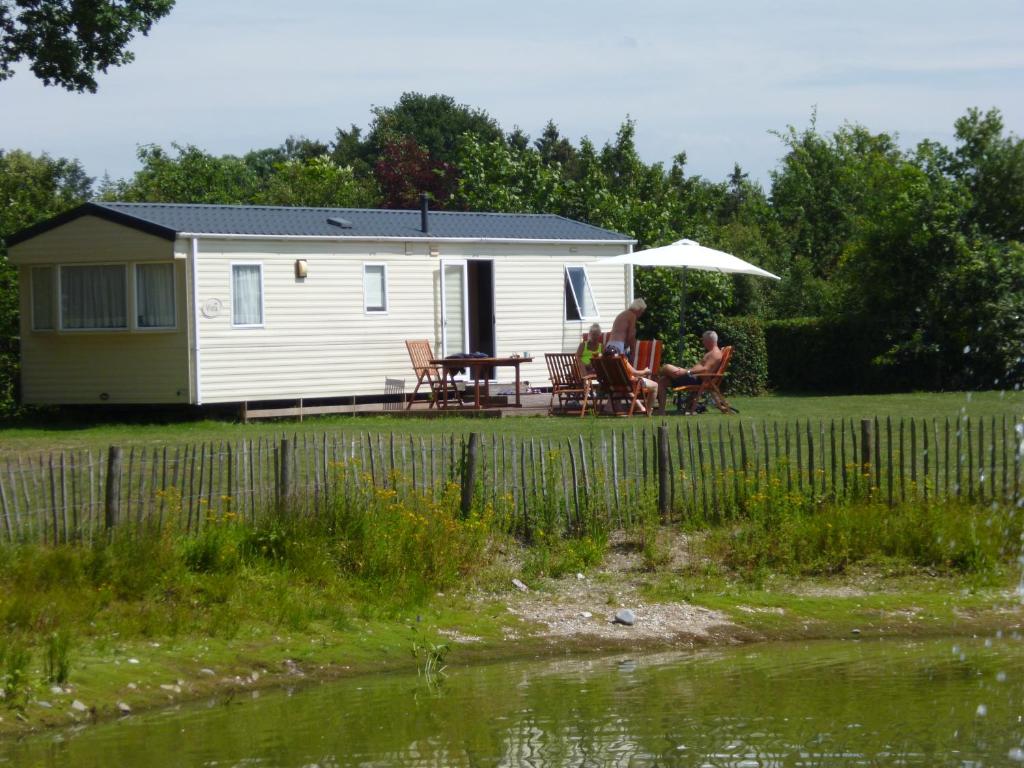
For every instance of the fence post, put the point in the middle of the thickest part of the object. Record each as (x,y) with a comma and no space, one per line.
(284,489)
(112,506)
(866,447)
(469,474)
(664,474)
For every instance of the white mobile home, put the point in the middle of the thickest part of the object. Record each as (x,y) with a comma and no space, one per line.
(202,304)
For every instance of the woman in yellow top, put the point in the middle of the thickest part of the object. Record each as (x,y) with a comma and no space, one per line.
(590,347)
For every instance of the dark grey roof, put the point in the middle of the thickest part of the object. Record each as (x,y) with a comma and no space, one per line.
(171,219)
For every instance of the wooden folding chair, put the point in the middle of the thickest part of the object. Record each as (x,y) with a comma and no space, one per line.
(615,386)
(710,385)
(648,355)
(568,383)
(421,354)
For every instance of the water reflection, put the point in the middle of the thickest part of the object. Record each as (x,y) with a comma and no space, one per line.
(821,704)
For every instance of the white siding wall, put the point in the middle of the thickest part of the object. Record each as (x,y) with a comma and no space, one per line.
(317,341)
(77,367)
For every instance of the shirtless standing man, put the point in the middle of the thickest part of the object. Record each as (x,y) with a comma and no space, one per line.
(674,376)
(623,335)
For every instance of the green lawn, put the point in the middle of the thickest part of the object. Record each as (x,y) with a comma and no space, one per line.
(44,433)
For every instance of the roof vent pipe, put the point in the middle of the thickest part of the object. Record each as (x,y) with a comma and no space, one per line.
(423,213)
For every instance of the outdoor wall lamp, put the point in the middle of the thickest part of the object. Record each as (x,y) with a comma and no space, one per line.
(301,268)
(435,250)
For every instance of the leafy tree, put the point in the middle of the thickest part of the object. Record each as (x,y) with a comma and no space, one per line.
(405,169)
(506,178)
(823,189)
(435,122)
(188,176)
(991,166)
(264,161)
(317,182)
(556,149)
(31,189)
(67,41)
(351,149)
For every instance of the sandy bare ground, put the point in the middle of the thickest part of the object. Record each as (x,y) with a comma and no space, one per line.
(583,607)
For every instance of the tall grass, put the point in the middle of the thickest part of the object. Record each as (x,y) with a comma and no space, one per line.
(775,527)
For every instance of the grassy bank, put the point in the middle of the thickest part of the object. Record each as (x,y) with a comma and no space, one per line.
(378,581)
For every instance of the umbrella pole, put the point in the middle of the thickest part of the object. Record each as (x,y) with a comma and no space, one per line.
(682,316)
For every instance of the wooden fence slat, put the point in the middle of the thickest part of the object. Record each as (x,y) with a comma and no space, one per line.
(1009,456)
(900,464)
(992,461)
(878,453)
(970,458)
(888,455)
(722,476)
(6,510)
(810,457)
(822,463)
(913,456)
(842,458)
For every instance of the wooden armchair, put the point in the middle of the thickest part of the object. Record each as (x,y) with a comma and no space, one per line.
(421,354)
(646,355)
(710,385)
(615,386)
(568,383)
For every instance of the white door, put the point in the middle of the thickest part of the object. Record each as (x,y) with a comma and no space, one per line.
(454,308)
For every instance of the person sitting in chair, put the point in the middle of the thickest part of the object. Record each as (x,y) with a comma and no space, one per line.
(670,376)
(590,347)
(649,386)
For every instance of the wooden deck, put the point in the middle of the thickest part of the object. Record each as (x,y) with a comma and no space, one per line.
(533,405)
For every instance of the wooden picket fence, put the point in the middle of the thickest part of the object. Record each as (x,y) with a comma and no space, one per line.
(689,467)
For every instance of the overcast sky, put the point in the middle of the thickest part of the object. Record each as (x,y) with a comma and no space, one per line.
(710,79)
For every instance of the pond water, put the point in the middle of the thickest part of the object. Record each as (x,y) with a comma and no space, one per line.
(859,702)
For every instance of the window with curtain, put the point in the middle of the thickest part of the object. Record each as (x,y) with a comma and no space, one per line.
(42,299)
(93,297)
(579,298)
(247,294)
(375,287)
(154,295)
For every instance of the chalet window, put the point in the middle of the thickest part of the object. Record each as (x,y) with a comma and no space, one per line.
(93,297)
(42,299)
(247,294)
(154,295)
(375,287)
(579,298)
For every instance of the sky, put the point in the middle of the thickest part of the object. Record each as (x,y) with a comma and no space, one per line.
(713,80)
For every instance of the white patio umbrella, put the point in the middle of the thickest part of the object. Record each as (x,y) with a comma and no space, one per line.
(688,254)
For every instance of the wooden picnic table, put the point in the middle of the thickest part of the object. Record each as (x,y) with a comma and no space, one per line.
(476,365)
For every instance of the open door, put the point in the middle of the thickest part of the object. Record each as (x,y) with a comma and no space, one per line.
(467,306)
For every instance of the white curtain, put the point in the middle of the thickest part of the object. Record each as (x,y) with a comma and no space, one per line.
(374,288)
(154,295)
(93,296)
(246,294)
(42,298)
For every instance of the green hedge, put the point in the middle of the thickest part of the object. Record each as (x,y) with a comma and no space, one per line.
(811,354)
(748,368)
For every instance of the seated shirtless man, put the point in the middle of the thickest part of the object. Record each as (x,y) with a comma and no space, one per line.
(673,376)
